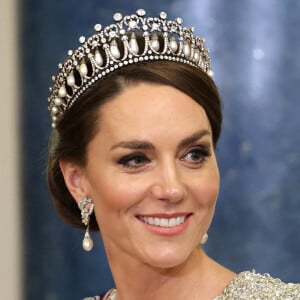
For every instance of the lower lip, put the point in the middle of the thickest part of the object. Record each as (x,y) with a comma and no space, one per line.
(167,231)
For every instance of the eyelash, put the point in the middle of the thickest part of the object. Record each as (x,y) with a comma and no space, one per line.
(138,160)
(201,151)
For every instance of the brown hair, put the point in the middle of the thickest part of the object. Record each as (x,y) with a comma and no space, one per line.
(70,138)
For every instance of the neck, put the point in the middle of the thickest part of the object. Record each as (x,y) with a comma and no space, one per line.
(196,277)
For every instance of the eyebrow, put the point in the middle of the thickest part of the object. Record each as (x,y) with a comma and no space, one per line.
(134,144)
(193,138)
(145,145)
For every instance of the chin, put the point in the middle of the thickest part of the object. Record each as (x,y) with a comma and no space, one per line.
(168,258)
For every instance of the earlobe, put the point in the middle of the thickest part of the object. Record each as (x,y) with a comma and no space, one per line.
(74,179)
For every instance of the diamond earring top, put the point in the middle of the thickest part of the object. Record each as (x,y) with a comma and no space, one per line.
(131,39)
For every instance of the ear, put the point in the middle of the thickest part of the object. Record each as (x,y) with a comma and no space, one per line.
(74,179)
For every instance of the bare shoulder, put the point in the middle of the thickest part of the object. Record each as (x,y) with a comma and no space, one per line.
(252,285)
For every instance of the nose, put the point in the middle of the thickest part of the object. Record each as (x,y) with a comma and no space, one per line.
(168,185)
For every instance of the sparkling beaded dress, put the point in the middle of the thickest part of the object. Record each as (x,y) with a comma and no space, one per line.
(251,285)
(247,285)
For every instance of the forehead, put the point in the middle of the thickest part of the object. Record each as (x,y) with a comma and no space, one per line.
(150,108)
(150,100)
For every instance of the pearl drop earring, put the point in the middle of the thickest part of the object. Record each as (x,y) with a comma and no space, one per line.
(204,238)
(86,207)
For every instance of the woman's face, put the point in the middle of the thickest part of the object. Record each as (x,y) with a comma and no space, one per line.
(152,174)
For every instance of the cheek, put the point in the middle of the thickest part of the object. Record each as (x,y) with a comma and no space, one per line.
(117,195)
(206,189)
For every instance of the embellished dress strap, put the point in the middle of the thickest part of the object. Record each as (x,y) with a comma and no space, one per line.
(110,295)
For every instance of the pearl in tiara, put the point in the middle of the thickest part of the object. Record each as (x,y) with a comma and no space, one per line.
(131,39)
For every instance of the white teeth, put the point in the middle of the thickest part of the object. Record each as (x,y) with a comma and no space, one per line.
(172,222)
(151,221)
(163,222)
(156,221)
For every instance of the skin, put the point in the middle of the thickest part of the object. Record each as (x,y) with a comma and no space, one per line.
(153,156)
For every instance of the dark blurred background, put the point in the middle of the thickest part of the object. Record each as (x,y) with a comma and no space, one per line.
(255,48)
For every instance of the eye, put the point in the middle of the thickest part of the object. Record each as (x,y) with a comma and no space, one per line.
(196,156)
(134,161)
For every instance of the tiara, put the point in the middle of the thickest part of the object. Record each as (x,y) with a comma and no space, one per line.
(131,39)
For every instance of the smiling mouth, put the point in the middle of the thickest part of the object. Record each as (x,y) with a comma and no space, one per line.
(163,222)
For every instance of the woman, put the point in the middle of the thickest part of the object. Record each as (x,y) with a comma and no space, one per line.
(136,120)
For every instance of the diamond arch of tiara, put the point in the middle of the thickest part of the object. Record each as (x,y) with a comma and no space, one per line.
(116,46)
